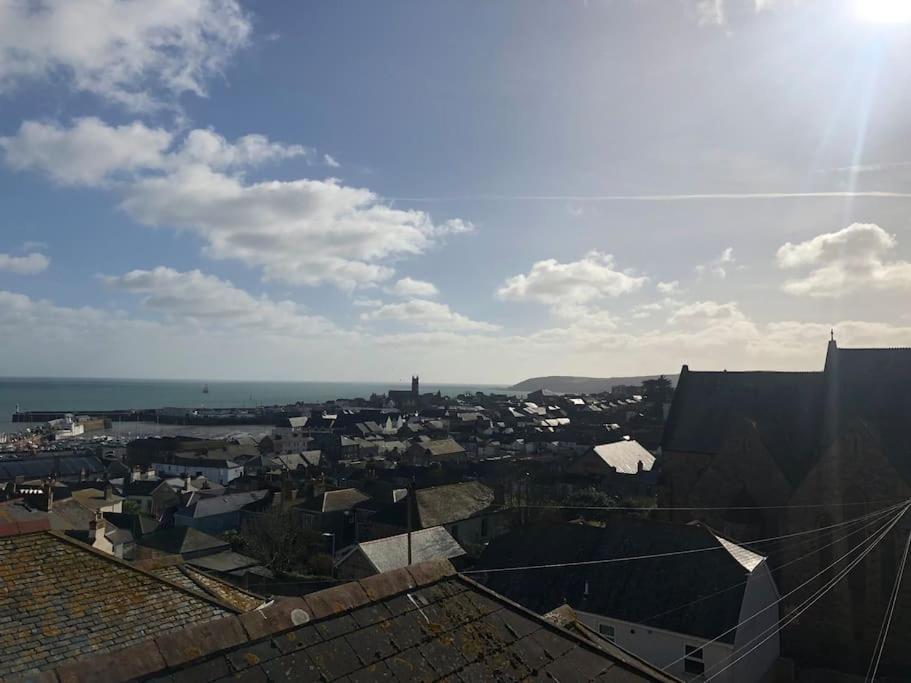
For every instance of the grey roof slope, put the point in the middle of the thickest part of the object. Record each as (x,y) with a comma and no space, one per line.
(625,456)
(639,592)
(41,467)
(785,406)
(391,552)
(63,599)
(871,386)
(439,447)
(182,540)
(207,506)
(439,505)
(798,414)
(334,501)
(421,624)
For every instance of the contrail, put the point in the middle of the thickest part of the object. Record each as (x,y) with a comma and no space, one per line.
(656,197)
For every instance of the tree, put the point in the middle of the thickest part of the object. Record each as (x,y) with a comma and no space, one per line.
(277,539)
(658,390)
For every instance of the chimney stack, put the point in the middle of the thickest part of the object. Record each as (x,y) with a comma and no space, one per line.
(96,529)
(49,494)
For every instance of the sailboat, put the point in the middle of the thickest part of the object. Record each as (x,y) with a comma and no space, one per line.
(205,389)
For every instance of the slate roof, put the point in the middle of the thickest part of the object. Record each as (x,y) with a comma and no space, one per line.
(440,447)
(421,624)
(335,501)
(141,487)
(871,386)
(61,599)
(224,562)
(200,582)
(426,544)
(41,467)
(135,523)
(439,505)
(798,414)
(785,406)
(639,591)
(625,456)
(182,540)
(207,506)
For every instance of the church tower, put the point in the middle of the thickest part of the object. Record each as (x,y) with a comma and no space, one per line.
(415,391)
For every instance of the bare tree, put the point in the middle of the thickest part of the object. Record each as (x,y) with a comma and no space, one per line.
(278,540)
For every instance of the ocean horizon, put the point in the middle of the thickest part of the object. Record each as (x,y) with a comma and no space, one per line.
(76,394)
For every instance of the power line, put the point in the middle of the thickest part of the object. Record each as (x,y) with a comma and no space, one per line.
(802,557)
(809,602)
(887,617)
(608,508)
(610,560)
(780,599)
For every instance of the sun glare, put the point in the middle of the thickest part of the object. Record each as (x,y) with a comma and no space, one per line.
(884,11)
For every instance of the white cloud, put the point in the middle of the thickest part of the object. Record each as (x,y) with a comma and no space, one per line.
(851,259)
(30,264)
(671,287)
(588,280)
(31,245)
(87,153)
(297,231)
(131,52)
(428,314)
(702,311)
(363,302)
(718,267)
(206,300)
(646,310)
(410,287)
(330,161)
(206,147)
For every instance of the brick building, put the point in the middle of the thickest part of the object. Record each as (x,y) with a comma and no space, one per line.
(826,447)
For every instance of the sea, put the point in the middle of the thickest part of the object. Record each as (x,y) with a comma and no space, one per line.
(74,395)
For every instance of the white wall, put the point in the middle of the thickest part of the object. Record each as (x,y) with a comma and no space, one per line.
(659,647)
(217,474)
(760,592)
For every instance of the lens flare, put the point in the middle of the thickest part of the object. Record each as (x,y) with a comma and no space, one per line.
(884,11)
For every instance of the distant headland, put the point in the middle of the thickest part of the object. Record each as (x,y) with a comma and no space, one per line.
(583,385)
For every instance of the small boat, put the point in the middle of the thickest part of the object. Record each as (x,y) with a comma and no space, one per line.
(205,389)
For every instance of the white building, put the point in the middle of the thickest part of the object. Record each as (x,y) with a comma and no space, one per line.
(218,470)
(691,611)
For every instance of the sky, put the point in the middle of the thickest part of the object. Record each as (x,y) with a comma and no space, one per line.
(472,192)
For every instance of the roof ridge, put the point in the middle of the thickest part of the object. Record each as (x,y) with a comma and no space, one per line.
(197,642)
(126,565)
(539,618)
(413,532)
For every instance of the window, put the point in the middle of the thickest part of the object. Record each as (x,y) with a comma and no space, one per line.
(607,631)
(693,663)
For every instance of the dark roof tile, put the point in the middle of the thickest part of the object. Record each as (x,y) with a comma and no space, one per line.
(449,630)
(193,642)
